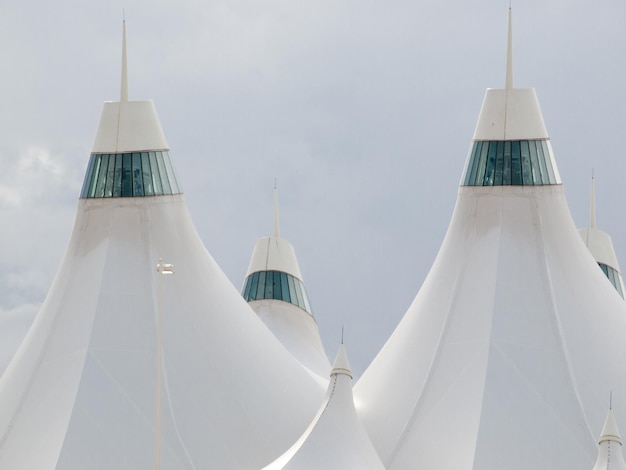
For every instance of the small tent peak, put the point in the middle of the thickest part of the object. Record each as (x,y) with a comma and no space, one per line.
(509,53)
(610,432)
(341,364)
(124,84)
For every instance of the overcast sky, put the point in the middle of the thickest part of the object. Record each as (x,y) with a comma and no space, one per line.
(363,111)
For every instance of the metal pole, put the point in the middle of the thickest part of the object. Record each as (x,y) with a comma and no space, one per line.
(159,353)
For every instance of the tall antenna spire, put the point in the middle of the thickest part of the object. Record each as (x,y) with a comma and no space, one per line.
(509,54)
(124,87)
(592,209)
(276,226)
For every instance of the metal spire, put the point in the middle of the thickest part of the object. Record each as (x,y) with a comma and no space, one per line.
(124,87)
(592,209)
(276,225)
(509,54)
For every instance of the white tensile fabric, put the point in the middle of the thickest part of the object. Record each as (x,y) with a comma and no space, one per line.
(295,328)
(81,391)
(508,351)
(297,331)
(335,439)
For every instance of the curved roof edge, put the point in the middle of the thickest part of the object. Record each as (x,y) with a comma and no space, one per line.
(335,438)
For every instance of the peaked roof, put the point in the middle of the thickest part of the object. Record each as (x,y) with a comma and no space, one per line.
(502,331)
(599,242)
(610,455)
(281,301)
(601,248)
(128,126)
(335,438)
(81,392)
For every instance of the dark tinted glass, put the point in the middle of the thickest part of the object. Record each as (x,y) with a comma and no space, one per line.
(510,163)
(129,175)
(276,285)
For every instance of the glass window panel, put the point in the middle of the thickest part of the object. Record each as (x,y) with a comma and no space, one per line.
(618,284)
(527,172)
(253,287)
(604,268)
(117,183)
(84,192)
(148,189)
(480,173)
(260,291)
(545,178)
(165,183)
(269,285)
(534,161)
(137,175)
(491,164)
(156,177)
(473,164)
(506,167)
(546,154)
(246,287)
(170,173)
(94,175)
(102,176)
(127,182)
(497,180)
(108,187)
(516,164)
(296,283)
(284,284)
(305,297)
(276,286)
(292,290)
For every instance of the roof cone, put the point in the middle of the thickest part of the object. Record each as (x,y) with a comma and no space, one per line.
(82,390)
(276,292)
(493,355)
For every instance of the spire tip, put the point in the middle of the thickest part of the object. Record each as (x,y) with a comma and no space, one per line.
(509,53)
(124,85)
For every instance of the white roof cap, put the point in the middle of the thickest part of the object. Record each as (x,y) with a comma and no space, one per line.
(510,114)
(128,126)
(610,432)
(274,253)
(600,245)
(598,242)
(610,455)
(341,364)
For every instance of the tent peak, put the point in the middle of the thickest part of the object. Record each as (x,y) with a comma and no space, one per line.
(341,364)
(610,431)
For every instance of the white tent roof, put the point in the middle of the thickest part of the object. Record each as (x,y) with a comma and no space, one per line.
(80,392)
(510,345)
(335,438)
(599,243)
(610,455)
(292,325)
